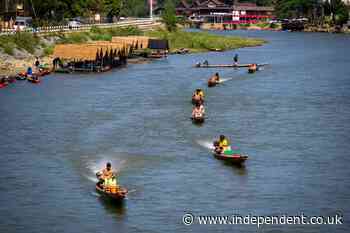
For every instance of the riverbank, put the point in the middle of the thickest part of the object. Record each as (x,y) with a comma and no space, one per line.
(203,41)
(242,26)
(19,51)
(275,27)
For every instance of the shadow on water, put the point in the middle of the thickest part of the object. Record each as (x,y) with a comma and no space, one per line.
(117,208)
(238,169)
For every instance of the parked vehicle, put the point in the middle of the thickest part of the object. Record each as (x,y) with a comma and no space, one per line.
(74,24)
(22,23)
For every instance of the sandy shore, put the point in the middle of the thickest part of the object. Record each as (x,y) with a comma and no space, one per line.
(12,66)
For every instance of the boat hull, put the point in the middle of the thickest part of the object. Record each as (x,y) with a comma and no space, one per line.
(251,70)
(118,196)
(234,158)
(227,65)
(196,101)
(33,80)
(212,84)
(198,120)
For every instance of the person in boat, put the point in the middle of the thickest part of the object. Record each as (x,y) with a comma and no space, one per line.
(106,174)
(200,92)
(224,143)
(206,63)
(198,95)
(217,148)
(253,67)
(235,59)
(198,111)
(215,78)
(29,71)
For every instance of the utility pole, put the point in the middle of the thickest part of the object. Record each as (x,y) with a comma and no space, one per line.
(151,9)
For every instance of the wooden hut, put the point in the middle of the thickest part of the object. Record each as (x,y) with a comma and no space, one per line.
(156,48)
(90,57)
(138,42)
(159,48)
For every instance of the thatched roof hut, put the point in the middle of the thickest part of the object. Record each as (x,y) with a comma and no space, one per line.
(89,51)
(137,42)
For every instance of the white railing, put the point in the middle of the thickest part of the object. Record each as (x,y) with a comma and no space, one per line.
(141,23)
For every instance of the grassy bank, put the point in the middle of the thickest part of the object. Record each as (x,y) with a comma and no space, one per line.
(203,41)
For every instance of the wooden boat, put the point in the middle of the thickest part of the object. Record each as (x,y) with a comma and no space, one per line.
(182,51)
(43,73)
(197,101)
(33,79)
(212,84)
(216,50)
(4,82)
(198,119)
(119,195)
(235,158)
(252,69)
(155,55)
(21,77)
(2,85)
(227,65)
(11,79)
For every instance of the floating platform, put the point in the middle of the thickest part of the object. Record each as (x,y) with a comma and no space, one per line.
(227,65)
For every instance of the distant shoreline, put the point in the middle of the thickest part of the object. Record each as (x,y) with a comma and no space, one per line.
(21,59)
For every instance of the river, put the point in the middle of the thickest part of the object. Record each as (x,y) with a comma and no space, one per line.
(291,118)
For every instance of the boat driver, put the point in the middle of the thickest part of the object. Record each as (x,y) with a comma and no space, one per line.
(224,143)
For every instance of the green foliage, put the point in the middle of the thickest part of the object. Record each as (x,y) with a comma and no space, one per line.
(73,38)
(9,47)
(169,16)
(96,33)
(48,50)
(26,40)
(294,8)
(50,12)
(105,37)
(341,13)
(113,7)
(21,40)
(124,31)
(95,29)
(202,41)
(136,8)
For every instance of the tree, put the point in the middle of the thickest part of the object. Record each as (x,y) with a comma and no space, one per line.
(339,11)
(113,8)
(294,8)
(135,8)
(169,15)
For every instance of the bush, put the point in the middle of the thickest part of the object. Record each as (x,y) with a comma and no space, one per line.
(105,37)
(48,50)
(73,38)
(26,40)
(95,29)
(9,47)
(124,31)
(169,16)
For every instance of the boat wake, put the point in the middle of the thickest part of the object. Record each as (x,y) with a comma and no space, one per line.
(222,80)
(208,144)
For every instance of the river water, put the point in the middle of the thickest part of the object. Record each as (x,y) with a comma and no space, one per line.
(291,118)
